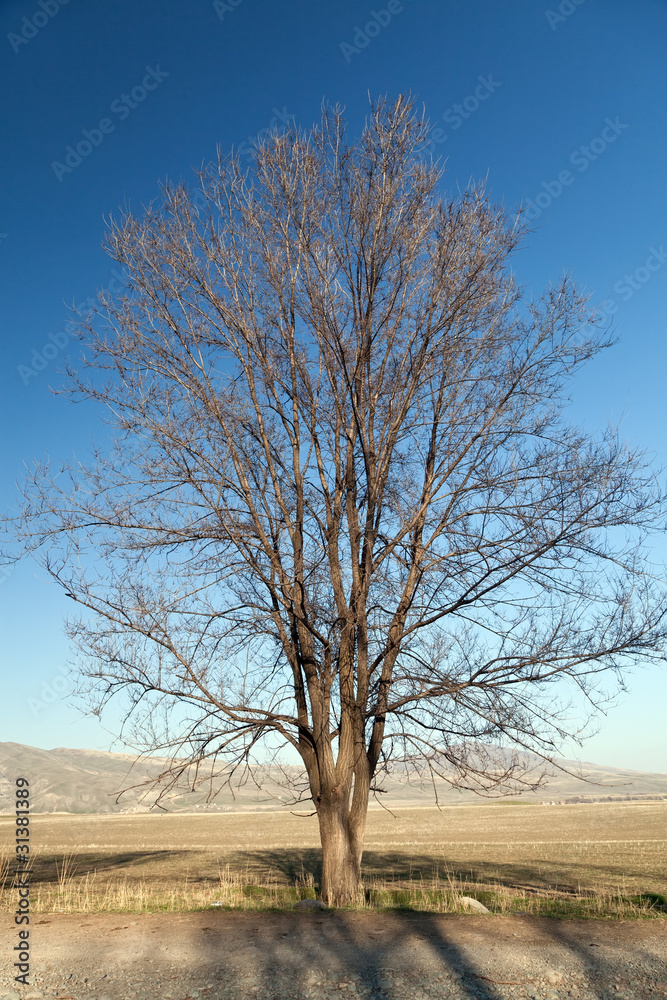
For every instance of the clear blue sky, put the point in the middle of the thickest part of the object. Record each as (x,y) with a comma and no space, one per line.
(522,91)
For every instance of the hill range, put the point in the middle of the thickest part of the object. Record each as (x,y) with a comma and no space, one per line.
(89,781)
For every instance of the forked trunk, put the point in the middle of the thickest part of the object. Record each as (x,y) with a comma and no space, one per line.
(342,847)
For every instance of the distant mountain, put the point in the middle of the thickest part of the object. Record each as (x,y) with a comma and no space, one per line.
(89,781)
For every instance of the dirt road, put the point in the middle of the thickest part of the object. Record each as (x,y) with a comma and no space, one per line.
(391,956)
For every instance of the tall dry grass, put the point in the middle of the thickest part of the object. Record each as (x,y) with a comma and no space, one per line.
(247,889)
(588,860)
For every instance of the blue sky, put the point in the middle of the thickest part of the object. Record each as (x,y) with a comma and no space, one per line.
(556,103)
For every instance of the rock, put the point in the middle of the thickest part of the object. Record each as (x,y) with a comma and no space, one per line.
(553,977)
(35,995)
(473,904)
(310,904)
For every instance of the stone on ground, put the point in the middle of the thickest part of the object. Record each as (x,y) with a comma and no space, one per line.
(310,904)
(473,904)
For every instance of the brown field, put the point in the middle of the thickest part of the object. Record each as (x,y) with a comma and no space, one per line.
(603,859)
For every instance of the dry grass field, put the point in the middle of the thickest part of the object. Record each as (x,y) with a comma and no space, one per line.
(603,859)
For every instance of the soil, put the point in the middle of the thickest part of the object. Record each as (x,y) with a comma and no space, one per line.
(290,955)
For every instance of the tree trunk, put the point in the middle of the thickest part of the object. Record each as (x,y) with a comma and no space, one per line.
(342,837)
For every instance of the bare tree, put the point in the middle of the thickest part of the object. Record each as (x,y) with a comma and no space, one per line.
(341,508)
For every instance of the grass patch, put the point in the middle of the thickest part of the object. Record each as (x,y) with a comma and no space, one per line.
(96,892)
(506,900)
(654,899)
(601,860)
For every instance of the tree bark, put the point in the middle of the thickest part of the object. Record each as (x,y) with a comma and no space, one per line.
(342,836)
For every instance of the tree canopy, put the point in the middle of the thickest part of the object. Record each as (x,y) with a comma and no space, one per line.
(343,509)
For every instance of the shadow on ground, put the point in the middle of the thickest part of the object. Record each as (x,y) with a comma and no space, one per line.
(291,865)
(49,869)
(417,955)
(399,868)
(373,961)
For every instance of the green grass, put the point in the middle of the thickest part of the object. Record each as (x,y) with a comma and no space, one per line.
(602,860)
(96,893)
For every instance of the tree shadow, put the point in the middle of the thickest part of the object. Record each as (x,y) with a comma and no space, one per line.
(399,868)
(400,954)
(395,869)
(597,966)
(48,869)
(290,863)
(334,947)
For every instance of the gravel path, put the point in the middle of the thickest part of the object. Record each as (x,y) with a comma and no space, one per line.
(293,956)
